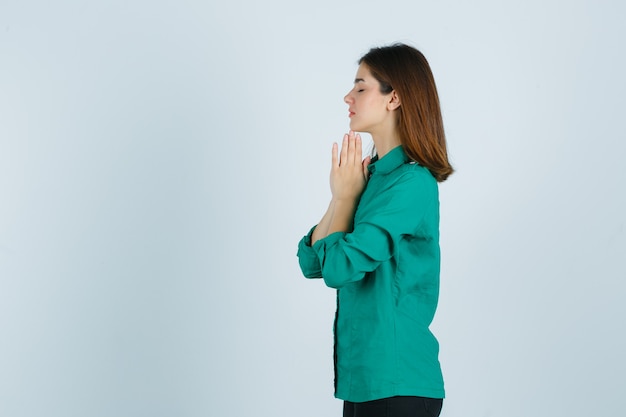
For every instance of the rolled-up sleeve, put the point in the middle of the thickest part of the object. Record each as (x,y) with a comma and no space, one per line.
(347,257)
(394,213)
(307,257)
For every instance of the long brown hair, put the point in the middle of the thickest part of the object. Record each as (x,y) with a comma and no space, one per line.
(404,69)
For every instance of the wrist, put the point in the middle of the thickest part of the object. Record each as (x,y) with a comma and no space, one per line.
(344,199)
(343,216)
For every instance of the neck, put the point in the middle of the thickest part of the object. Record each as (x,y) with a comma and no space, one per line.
(385,142)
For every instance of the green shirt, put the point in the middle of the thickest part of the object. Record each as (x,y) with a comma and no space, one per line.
(387,275)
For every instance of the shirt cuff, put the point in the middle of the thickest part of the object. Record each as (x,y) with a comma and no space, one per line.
(309,262)
(321,245)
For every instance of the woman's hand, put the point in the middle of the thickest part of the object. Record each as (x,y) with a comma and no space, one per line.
(348,174)
(348,177)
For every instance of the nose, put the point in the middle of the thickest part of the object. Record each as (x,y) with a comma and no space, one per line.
(348,98)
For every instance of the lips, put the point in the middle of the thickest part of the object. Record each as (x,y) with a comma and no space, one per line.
(350,113)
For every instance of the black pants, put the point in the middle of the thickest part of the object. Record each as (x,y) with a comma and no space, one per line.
(394,407)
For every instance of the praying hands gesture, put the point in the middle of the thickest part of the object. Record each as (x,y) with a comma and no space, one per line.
(348,177)
(348,174)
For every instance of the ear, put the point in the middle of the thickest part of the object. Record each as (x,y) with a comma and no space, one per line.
(394,101)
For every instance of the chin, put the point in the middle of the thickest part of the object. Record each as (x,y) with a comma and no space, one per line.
(355,126)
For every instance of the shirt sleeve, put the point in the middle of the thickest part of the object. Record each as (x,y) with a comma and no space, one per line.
(391,214)
(309,262)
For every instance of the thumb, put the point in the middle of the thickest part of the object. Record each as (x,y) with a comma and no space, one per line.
(366,162)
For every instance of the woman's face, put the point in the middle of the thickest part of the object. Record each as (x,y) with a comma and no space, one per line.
(368,108)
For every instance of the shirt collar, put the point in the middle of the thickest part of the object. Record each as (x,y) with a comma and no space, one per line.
(392,160)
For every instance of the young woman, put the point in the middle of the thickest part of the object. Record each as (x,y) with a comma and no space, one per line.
(378,243)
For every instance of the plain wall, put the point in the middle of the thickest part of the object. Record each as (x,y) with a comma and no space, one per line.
(159,162)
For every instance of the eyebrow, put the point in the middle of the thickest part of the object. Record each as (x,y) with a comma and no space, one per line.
(359,80)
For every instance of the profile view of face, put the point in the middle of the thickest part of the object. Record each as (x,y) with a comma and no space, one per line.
(368,108)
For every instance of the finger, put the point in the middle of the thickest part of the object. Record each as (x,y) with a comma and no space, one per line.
(358,155)
(344,151)
(366,163)
(335,159)
(351,148)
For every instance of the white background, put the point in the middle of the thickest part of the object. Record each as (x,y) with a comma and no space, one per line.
(159,162)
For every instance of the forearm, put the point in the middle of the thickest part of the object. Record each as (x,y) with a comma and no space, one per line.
(343,216)
(321,230)
(338,218)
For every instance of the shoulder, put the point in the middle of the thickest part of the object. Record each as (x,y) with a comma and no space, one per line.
(413,177)
(408,185)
